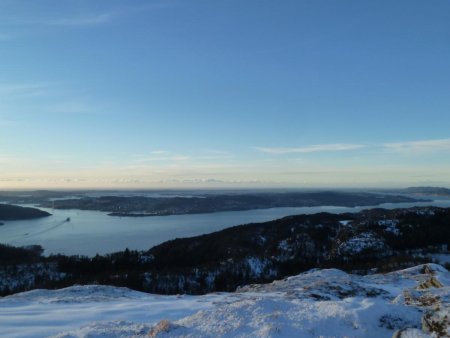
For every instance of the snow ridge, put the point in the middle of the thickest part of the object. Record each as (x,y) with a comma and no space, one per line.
(414,302)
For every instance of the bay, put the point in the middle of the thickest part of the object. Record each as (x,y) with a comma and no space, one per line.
(92,232)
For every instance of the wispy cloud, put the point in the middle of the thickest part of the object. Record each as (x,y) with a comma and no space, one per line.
(161,157)
(7,159)
(419,146)
(85,19)
(159,152)
(5,122)
(21,90)
(75,106)
(5,37)
(311,149)
(89,20)
(210,151)
(47,97)
(199,156)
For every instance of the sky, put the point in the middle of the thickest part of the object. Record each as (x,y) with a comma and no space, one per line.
(224,93)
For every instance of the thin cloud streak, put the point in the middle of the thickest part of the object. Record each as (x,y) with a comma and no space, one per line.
(48,97)
(419,146)
(159,152)
(25,89)
(202,156)
(79,21)
(6,122)
(5,37)
(311,149)
(89,19)
(75,106)
(10,160)
(162,157)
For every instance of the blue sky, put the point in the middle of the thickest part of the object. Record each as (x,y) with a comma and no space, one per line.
(226,93)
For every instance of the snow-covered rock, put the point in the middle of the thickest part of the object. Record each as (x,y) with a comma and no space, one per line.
(390,225)
(409,303)
(366,242)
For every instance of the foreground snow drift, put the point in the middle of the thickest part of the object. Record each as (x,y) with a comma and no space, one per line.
(409,303)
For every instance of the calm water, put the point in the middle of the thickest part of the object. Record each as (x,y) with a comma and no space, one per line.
(91,232)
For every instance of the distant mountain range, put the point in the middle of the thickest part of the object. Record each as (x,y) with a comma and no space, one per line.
(437,191)
(168,202)
(134,206)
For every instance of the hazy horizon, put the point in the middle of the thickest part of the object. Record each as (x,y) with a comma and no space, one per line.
(215,190)
(198,94)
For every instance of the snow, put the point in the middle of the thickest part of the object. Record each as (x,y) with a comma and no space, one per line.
(429,212)
(25,275)
(345,222)
(256,265)
(261,240)
(284,245)
(362,242)
(390,225)
(328,303)
(41,313)
(388,222)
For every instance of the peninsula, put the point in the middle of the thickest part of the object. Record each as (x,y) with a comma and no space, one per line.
(13,212)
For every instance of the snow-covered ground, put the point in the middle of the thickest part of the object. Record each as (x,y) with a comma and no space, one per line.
(363,242)
(328,303)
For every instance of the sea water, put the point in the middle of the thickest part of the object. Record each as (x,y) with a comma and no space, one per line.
(92,232)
